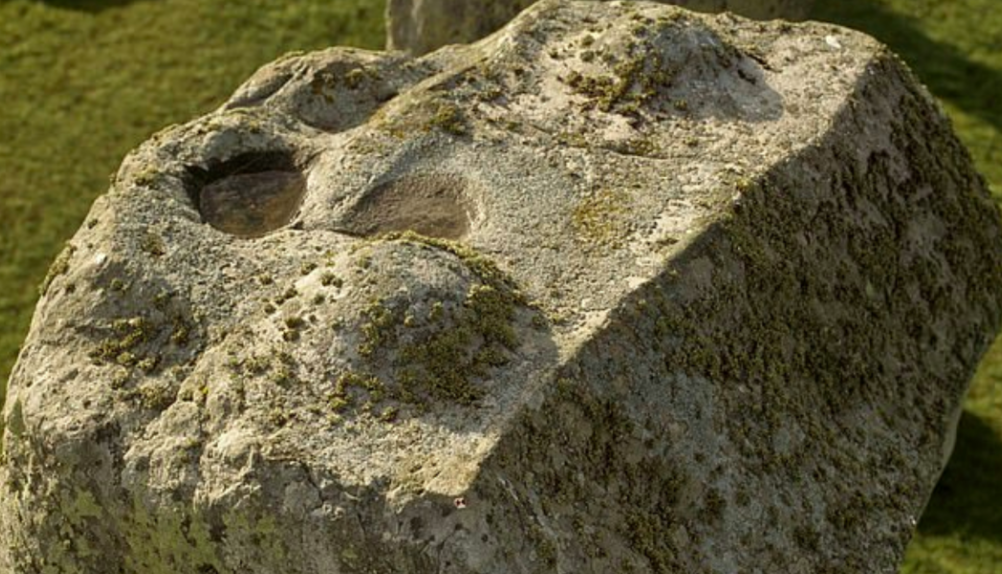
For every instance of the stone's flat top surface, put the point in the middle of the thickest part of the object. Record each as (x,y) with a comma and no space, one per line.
(737,270)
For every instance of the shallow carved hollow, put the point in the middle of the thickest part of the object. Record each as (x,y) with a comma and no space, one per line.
(434,205)
(250,195)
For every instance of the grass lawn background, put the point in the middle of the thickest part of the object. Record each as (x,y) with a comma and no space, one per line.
(83,82)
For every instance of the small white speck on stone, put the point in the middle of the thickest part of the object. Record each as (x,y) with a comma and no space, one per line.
(635,282)
(100,258)
(833,42)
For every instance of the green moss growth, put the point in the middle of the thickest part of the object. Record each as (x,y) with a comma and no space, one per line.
(59,267)
(351,386)
(147,177)
(354,78)
(180,331)
(138,342)
(639,146)
(446,348)
(378,329)
(283,369)
(442,362)
(127,336)
(290,293)
(157,396)
(484,268)
(632,82)
(602,219)
(604,91)
(455,346)
(449,118)
(329,279)
(153,244)
(323,83)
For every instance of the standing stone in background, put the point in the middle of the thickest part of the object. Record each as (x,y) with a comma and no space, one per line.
(686,294)
(421,26)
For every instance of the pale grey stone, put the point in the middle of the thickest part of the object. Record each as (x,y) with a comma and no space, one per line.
(421,26)
(693,294)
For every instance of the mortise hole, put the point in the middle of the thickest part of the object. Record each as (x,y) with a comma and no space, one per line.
(434,205)
(249,195)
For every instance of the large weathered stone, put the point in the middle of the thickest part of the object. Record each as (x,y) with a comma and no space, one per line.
(693,294)
(420,26)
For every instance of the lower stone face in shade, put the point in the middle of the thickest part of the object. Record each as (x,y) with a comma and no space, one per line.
(622,288)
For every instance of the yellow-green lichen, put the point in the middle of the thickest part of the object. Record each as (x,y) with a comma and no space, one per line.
(157,396)
(449,118)
(603,218)
(153,244)
(147,177)
(168,541)
(378,329)
(323,83)
(59,267)
(329,279)
(128,335)
(291,326)
(438,350)
(289,293)
(632,82)
(354,78)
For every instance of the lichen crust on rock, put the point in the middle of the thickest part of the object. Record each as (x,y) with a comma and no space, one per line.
(620,288)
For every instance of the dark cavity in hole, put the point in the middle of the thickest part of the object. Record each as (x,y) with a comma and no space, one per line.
(435,205)
(249,195)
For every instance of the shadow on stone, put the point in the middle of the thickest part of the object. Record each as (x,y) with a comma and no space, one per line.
(682,363)
(965,500)
(249,195)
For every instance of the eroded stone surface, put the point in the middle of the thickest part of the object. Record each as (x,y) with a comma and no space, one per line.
(421,26)
(436,205)
(719,289)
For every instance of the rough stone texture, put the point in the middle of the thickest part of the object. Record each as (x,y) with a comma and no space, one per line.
(694,294)
(421,26)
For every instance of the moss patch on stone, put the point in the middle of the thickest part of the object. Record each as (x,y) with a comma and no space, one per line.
(434,350)
(603,218)
(59,267)
(449,119)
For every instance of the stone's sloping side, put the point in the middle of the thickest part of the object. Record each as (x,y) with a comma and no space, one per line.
(422,26)
(689,293)
(749,410)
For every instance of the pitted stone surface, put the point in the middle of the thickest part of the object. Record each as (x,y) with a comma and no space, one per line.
(690,293)
(421,26)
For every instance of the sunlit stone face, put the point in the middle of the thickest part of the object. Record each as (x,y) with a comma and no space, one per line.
(621,288)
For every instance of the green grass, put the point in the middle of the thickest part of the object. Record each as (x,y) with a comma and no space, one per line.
(83,82)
